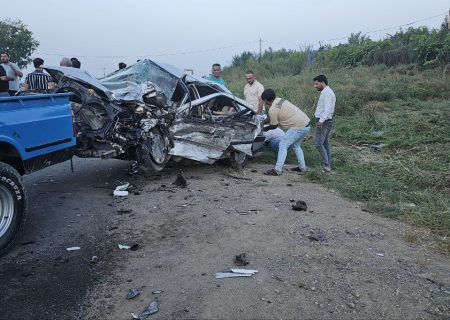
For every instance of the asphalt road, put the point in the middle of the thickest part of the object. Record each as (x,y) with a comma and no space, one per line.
(39,278)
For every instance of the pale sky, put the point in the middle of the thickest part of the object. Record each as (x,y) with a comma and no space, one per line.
(195,34)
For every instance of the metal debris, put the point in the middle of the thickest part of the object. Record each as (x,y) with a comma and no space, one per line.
(152,308)
(235,273)
(133,293)
(240,260)
(121,191)
(180,181)
(73,248)
(300,205)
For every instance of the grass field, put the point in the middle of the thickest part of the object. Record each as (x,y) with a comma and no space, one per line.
(390,142)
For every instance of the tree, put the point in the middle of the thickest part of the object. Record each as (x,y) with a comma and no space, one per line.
(17,40)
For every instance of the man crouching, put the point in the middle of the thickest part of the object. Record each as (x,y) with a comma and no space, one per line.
(292,120)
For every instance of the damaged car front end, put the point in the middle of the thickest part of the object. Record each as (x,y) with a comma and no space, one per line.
(149,112)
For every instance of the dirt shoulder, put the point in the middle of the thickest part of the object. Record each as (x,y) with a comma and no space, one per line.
(361,268)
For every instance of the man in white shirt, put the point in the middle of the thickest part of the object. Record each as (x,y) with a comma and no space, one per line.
(12,71)
(324,119)
(273,138)
(253,91)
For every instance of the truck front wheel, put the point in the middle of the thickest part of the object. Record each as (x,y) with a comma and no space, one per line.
(12,205)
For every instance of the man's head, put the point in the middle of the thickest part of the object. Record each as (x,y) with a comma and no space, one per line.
(320,82)
(38,63)
(4,57)
(249,77)
(216,70)
(65,62)
(268,96)
(75,63)
(122,65)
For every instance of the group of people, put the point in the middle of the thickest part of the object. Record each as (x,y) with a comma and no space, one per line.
(287,124)
(37,80)
(296,125)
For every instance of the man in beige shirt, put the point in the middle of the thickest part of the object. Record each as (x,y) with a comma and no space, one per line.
(294,121)
(252,92)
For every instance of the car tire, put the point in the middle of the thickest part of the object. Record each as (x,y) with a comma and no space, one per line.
(238,159)
(153,153)
(13,207)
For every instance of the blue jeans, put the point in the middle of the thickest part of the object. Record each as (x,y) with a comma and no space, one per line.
(292,138)
(321,142)
(274,144)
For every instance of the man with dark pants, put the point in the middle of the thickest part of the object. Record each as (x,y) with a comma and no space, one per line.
(324,122)
(296,123)
(4,83)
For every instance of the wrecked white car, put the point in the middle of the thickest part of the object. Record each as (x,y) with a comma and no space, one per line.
(150,112)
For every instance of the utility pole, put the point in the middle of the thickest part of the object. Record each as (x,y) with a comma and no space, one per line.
(448,20)
(260,48)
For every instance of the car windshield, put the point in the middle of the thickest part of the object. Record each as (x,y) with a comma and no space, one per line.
(142,72)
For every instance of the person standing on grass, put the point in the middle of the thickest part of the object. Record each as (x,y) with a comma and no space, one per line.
(324,119)
(252,92)
(215,76)
(296,124)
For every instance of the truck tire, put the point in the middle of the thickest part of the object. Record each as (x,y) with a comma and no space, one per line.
(13,207)
(153,153)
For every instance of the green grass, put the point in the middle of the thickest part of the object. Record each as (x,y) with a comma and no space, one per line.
(406,110)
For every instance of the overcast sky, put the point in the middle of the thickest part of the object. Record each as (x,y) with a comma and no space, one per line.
(194,34)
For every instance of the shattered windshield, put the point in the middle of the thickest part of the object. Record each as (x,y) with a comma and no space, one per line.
(140,73)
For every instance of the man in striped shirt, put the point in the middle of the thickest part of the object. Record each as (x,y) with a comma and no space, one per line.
(38,80)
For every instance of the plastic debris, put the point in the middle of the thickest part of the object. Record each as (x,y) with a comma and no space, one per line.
(124,247)
(235,273)
(245,271)
(73,248)
(180,181)
(300,205)
(121,191)
(240,260)
(152,308)
(133,293)
(157,291)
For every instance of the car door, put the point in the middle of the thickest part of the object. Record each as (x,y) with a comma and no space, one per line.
(208,127)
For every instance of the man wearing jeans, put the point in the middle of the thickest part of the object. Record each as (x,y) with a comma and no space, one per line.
(324,116)
(296,124)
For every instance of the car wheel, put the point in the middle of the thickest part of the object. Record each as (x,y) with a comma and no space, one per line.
(153,153)
(12,205)
(238,158)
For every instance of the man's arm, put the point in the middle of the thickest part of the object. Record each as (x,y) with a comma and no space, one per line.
(328,109)
(6,78)
(16,70)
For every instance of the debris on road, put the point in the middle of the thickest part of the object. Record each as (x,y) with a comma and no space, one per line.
(124,247)
(73,248)
(180,181)
(121,191)
(94,259)
(157,291)
(240,260)
(133,293)
(124,210)
(300,205)
(317,236)
(235,273)
(152,308)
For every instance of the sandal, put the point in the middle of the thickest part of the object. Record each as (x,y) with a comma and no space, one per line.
(272,172)
(298,169)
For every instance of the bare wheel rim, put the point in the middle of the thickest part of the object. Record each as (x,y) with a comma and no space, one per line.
(158,149)
(6,210)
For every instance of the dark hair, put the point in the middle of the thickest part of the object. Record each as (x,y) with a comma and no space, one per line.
(249,72)
(216,65)
(321,78)
(122,65)
(5,52)
(75,63)
(268,95)
(37,62)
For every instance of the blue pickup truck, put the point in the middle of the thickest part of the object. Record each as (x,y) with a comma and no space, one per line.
(36,131)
